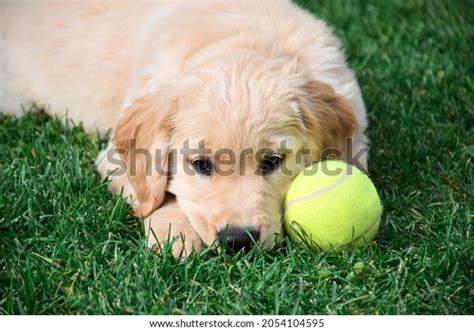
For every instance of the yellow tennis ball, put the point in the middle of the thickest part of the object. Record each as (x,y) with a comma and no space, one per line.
(332,205)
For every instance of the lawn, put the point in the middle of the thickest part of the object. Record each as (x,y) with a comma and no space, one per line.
(69,247)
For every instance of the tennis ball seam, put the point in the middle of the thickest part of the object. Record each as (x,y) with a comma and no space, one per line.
(319,192)
(350,219)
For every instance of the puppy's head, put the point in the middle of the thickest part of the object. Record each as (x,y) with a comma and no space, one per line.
(227,140)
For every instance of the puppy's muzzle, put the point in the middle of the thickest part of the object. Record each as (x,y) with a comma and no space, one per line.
(236,239)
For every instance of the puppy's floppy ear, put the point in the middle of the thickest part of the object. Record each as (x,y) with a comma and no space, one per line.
(142,137)
(328,120)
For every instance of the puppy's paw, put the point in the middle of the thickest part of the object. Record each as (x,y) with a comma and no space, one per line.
(168,225)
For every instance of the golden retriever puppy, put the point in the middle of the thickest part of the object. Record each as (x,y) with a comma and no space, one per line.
(215,106)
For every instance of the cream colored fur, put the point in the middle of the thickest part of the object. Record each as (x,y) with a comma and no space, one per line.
(236,74)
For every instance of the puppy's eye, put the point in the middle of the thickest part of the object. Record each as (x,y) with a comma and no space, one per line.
(270,163)
(202,166)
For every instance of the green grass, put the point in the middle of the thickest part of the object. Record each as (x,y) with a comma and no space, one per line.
(69,247)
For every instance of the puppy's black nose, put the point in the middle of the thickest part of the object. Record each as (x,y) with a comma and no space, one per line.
(235,239)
